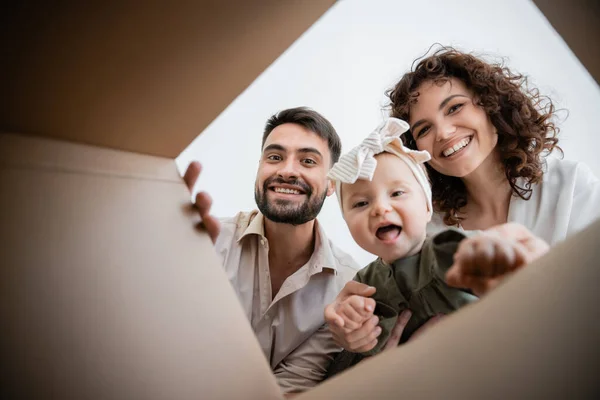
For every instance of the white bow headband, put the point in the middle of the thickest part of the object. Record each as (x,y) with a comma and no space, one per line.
(360,162)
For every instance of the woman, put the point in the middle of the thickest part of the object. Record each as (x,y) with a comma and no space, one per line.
(489,136)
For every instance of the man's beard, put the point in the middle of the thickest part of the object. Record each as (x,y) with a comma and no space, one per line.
(286,211)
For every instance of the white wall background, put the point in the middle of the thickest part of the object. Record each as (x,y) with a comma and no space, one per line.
(359,48)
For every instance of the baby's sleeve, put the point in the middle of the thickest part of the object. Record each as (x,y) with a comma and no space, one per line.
(388,300)
(440,250)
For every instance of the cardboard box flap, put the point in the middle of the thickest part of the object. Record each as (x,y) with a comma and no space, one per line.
(107,291)
(578,22)
(146,77)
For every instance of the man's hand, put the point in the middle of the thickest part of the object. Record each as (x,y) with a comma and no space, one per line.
(203,201)
(483,261)
(350,318)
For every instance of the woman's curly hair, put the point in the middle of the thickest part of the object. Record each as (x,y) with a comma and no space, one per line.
(522,117)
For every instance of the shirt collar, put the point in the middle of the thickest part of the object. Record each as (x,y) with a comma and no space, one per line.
(323,254)
(255,227)
(322,257)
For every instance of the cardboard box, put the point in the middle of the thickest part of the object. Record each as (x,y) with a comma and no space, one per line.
(107,289)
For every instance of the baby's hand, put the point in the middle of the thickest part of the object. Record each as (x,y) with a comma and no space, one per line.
(351,307)
(351,320)
(352,311)
(483,261)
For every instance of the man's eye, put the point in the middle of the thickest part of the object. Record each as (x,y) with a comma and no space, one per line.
(359,204)
(455,108)
(397,193)
(309,161)
(274,157)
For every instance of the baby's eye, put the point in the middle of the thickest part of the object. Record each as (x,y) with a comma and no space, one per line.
(455,108)
(397,193)
(359,204)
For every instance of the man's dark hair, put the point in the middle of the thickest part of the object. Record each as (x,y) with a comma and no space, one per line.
(311,120)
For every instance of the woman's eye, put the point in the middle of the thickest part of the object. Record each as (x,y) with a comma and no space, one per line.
(422,132)
(455,108)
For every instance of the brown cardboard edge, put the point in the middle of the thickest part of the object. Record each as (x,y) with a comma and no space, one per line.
(23,151)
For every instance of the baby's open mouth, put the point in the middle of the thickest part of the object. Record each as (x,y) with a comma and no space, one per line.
(388,232)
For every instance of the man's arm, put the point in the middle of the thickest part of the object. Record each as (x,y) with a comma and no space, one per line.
(307,365)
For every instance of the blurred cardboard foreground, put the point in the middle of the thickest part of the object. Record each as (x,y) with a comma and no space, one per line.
(106,288)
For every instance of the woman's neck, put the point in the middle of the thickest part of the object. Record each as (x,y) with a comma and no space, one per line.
(488,195)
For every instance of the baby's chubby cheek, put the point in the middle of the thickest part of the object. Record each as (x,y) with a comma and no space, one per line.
(353,226)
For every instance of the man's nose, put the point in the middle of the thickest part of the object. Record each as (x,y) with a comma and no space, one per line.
(288,169)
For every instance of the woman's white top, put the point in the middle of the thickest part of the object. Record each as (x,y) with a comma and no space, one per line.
(566,201)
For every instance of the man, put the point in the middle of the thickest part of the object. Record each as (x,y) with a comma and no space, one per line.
(279,261)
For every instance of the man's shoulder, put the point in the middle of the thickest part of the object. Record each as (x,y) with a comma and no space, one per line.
(344,263)
(242,218)
(232,228)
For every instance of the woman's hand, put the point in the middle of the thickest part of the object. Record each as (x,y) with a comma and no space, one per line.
(483,261)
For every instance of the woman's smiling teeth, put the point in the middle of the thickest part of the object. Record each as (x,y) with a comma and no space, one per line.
(287,191)
(460,145)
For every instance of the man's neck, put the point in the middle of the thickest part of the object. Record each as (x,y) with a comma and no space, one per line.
(289,242)
(290,247)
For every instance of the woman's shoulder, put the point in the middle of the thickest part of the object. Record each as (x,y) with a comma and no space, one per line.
(561,171)
(564,202)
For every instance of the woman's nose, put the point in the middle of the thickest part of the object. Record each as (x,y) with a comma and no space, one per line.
(445,131)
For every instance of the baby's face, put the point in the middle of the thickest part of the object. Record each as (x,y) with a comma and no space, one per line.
(388,215)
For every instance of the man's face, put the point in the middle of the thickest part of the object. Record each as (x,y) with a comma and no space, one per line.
(291,182)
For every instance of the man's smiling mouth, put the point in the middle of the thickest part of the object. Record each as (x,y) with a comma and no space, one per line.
(287,191)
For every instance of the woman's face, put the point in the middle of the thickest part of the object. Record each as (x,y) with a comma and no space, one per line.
(447,123)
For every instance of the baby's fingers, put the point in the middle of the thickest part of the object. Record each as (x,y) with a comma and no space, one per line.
(332,317)
(352,319)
